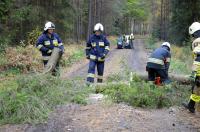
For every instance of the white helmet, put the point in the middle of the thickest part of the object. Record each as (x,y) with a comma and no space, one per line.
(166,44)
(194,27)
(49,25)
(98,27)
(131,34)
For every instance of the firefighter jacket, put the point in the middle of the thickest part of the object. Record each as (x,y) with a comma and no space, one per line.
(131,37)
(196,54)
(97,47)
(160,59)
(46,44)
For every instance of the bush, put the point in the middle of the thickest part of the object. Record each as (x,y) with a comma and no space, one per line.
(33,36)
(26,59)
(35,96)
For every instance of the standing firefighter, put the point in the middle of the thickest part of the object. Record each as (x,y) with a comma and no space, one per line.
(158,63)
(47,42)
(131,38)
(96,50)
(194,30)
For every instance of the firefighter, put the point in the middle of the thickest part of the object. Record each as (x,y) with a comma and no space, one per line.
(158,63)
(131,38)
(194,31)
(97,48)
(46,43)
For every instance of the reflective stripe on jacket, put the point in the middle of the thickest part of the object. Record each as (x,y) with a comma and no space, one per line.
(97,47)
(159,59)
(46,43)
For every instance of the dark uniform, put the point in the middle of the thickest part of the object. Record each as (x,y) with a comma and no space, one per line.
(158,64)
(131,38)
(96,50)
(46,44)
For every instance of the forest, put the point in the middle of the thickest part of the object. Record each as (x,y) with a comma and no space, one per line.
(75,19)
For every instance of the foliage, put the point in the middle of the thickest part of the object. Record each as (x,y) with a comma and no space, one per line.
(35,96)
(184,13)
(181,60)
(76,53)
(25,59)
(145,95)
(137,9)
(33,36)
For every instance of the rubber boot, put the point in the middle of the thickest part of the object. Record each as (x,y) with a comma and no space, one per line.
(190,106)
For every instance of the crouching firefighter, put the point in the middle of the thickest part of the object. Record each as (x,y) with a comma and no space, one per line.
(158,64)
(46,42)
(194,30)
(97,48)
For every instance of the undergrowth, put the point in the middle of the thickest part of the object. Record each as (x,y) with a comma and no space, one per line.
(33,97)
(139,93)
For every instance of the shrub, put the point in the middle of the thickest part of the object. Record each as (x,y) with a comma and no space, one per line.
(26,59)
(33,36)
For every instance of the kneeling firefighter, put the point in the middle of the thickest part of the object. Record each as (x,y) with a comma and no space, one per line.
(194,30)
(158,63)
(97,48)
(47,42)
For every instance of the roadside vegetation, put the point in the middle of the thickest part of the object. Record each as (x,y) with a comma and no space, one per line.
(181,60)
(30,98)
(139,93)
(26,96)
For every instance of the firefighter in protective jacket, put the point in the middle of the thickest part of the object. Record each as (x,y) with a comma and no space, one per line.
(158,63)
(47,41)
(97,48)
(194,30)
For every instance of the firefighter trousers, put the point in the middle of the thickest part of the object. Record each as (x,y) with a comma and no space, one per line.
(153,73)
(91,71)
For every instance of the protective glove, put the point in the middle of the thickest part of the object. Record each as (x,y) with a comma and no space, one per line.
(103,56)
(88,57)
(49,51)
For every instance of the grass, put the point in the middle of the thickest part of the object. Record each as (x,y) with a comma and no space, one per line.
(142,94)
(181,60)
(76,56)
(179,67)
(33,97)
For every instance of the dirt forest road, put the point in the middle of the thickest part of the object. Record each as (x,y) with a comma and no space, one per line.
(115,62)
(108,117)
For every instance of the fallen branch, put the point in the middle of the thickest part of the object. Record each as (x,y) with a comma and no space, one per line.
(53,60)
(182,79)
